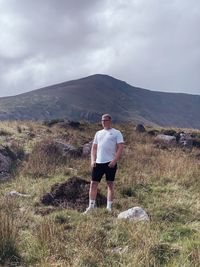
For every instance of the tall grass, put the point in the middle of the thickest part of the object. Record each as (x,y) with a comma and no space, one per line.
(44,159)
(9,227)
(165,182)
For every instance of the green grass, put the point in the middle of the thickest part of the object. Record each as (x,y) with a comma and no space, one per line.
(163,182)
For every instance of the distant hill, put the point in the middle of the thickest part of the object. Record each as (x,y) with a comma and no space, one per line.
(88,98)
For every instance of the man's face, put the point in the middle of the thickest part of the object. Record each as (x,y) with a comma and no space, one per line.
(106,122)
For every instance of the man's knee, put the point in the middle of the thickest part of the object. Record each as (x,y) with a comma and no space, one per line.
(93,185)
(110,185)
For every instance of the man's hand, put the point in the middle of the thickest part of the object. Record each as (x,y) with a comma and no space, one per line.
(93,164)
(112,163)
(93,155)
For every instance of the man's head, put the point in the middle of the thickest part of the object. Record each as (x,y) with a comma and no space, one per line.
(106,121)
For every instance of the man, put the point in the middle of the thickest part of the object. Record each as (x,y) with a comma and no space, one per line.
(106,150)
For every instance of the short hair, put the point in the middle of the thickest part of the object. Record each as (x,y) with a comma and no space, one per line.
(106,116)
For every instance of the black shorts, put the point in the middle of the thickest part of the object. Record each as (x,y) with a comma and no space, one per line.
(101,169)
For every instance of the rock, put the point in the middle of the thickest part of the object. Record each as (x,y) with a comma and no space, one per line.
(71,124)
(140,128)
(30,134)
(4,175)
(185,140)
(5,166)
(153,132)
(74,124)
(87,149)
(120,250)
(196,142)
(7,152)
(50,123)
(165,140)
(68,150)
(134,214)
(169,132)
(17,194)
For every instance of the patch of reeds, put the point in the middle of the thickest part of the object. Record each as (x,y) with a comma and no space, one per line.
(44,159)
(9,227)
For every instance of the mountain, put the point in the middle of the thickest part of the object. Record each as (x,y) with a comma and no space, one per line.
(89,97)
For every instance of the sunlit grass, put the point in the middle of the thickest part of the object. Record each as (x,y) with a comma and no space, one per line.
(165,182)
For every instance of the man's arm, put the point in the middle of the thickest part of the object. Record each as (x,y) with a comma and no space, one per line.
(93,155)
(120,148)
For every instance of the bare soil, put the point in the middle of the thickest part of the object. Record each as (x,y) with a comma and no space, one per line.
(72,194)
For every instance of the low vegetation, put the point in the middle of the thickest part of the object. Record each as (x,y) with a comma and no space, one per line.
(165,182)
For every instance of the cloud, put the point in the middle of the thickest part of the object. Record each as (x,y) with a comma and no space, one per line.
(151,44)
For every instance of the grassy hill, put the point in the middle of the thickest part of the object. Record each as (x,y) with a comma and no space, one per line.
(87,98)
(164,182)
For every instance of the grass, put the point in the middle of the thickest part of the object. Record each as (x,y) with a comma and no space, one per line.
(163,182)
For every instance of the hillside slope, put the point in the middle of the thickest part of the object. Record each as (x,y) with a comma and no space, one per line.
(88,98)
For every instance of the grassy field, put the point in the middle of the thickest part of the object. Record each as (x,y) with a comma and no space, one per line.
(164,182)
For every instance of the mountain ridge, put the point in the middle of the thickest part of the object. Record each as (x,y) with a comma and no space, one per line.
(88,97)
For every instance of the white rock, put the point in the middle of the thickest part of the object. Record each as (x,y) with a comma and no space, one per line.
(134,214)
(15,193)
(165,139)
(119,250)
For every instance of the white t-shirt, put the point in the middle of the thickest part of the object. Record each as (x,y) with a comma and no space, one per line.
(107,141)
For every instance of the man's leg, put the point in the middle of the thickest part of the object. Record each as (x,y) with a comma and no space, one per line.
(110,194)
(110,177)
(93,193)
(96,178)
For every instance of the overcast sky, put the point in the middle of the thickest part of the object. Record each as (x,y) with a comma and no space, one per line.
(153,44)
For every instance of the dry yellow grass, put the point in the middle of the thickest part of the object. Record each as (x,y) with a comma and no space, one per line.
(165,182)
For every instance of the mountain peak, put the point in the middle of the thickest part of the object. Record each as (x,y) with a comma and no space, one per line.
(89,97)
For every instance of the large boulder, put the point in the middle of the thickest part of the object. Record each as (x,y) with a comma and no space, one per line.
(134,214)
(165,140)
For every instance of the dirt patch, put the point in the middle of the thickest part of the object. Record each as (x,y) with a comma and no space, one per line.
(72,194)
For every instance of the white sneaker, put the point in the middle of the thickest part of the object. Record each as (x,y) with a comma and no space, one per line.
(89,209)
